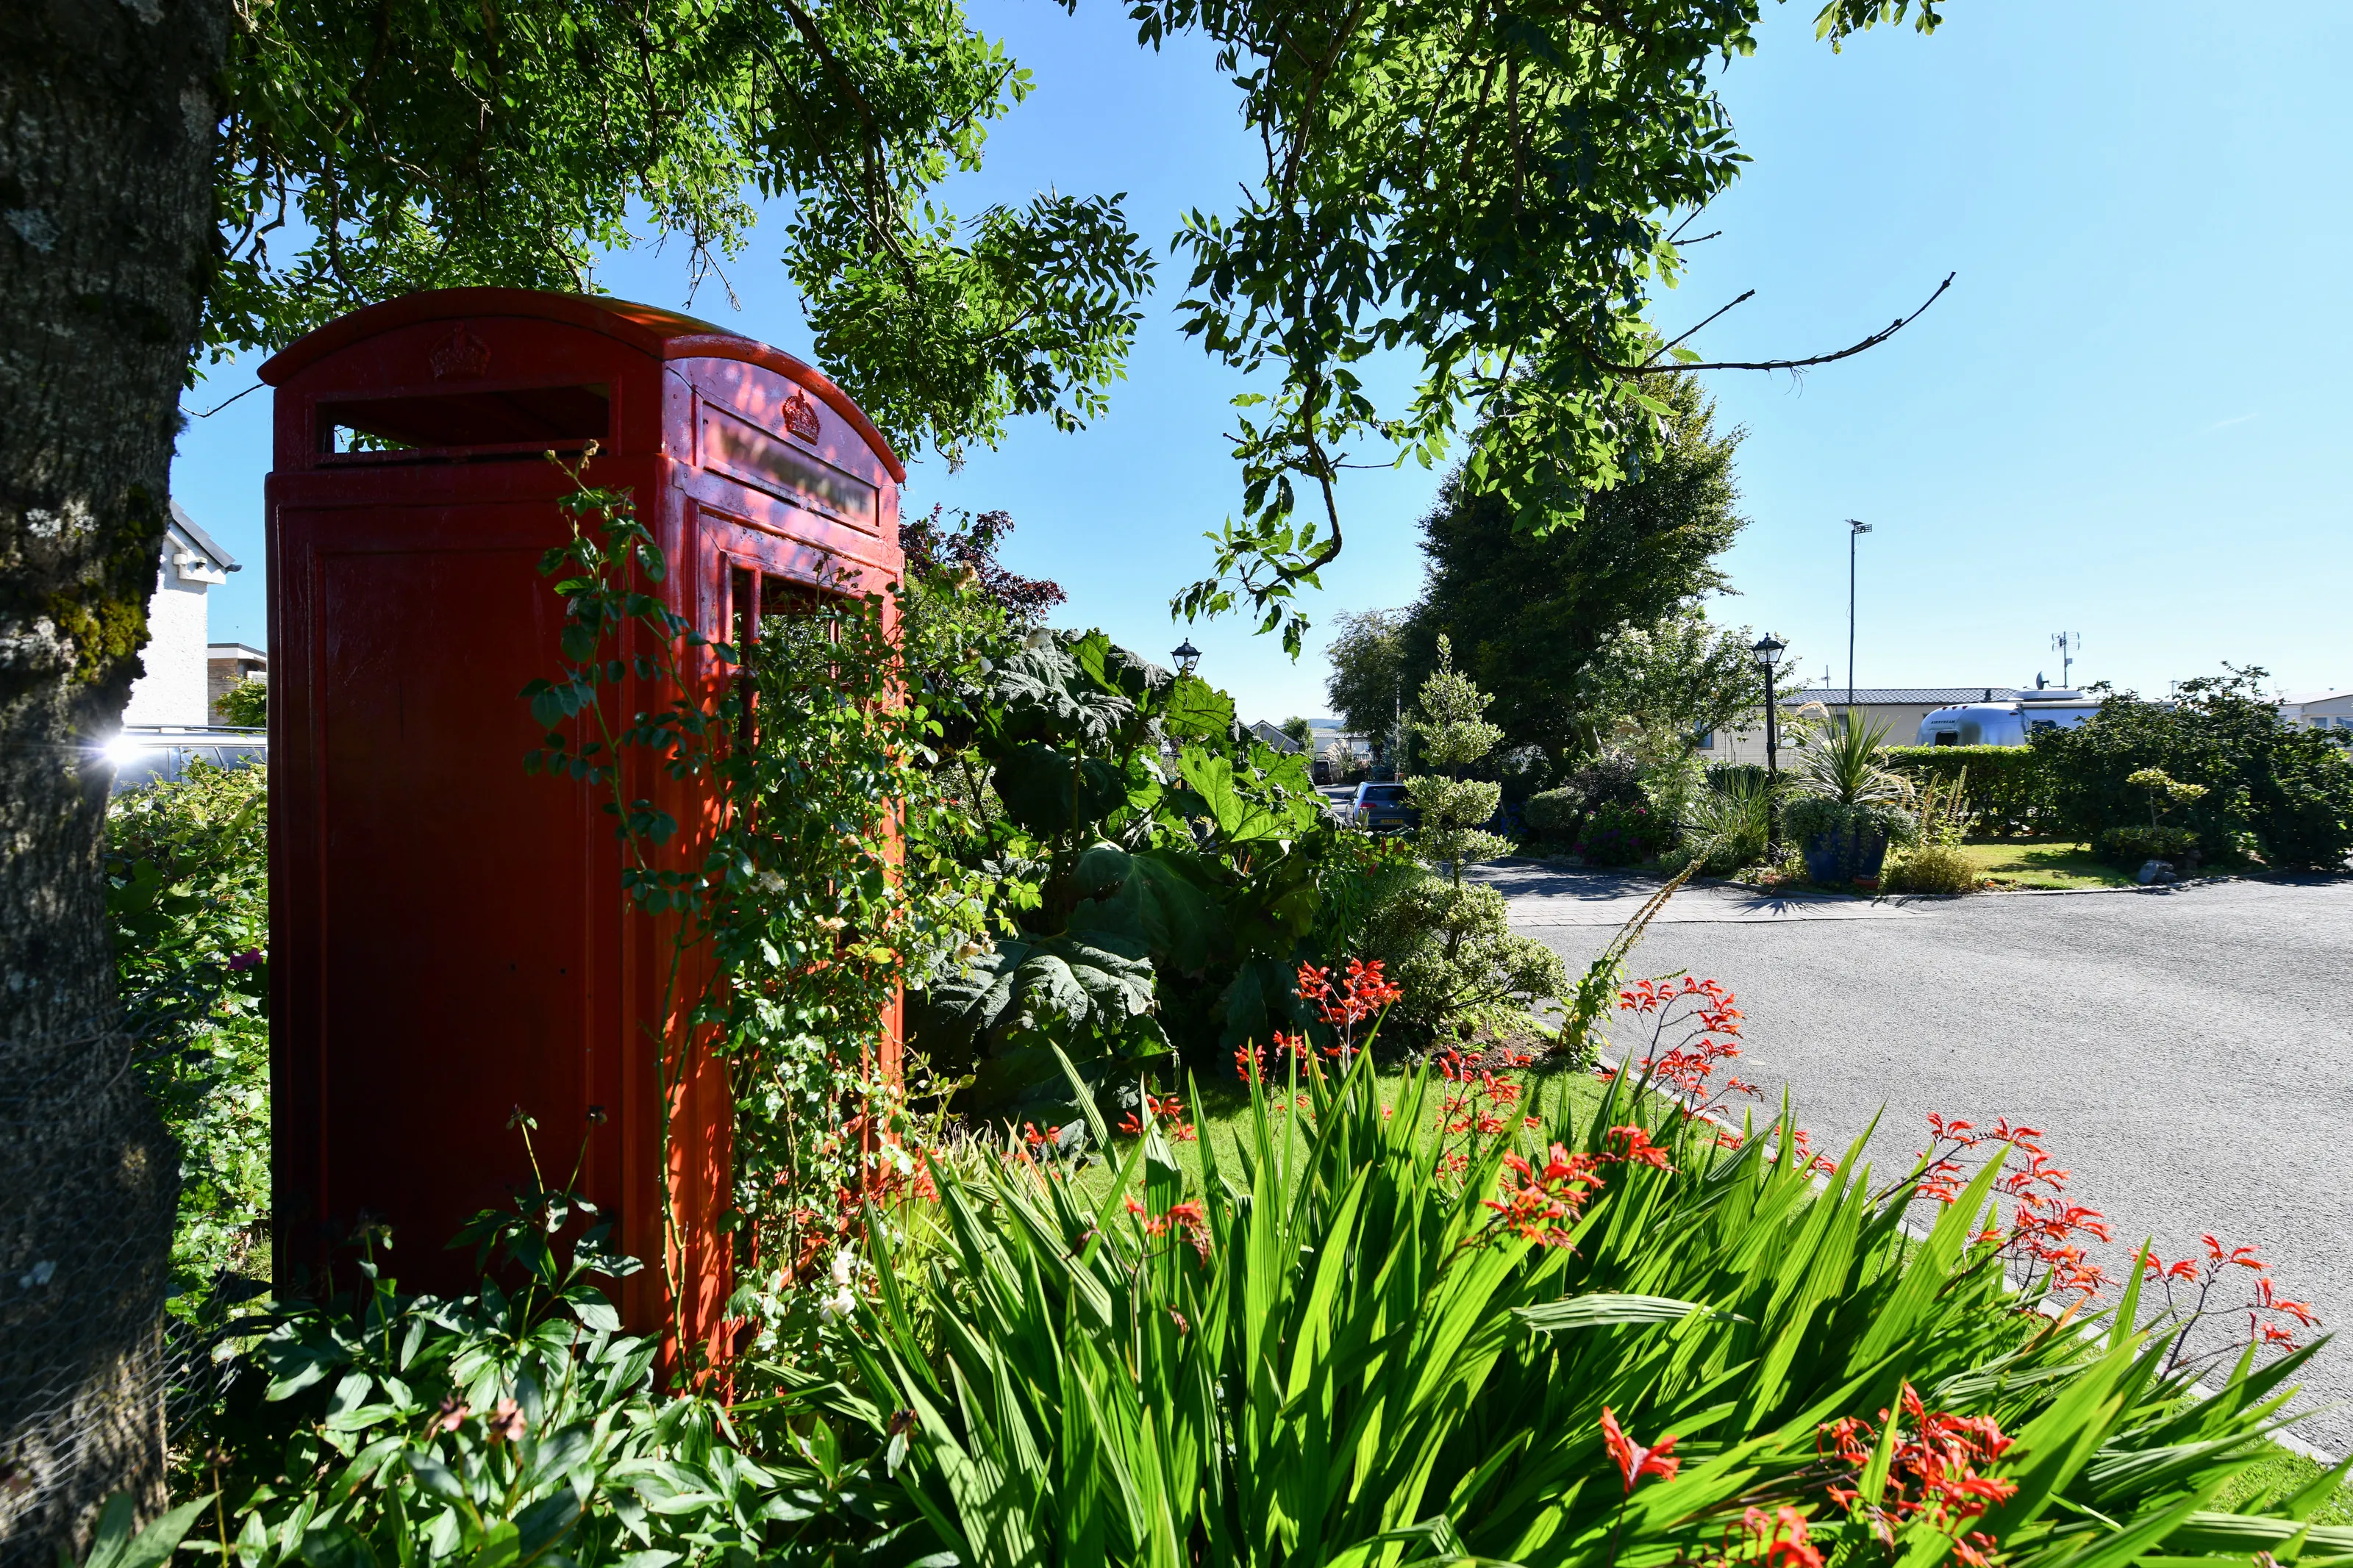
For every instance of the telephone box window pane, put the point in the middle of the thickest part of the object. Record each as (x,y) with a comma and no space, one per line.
(529,417)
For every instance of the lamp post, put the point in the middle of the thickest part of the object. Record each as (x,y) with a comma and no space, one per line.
(1768,653)
(1854,530)
(1187,656)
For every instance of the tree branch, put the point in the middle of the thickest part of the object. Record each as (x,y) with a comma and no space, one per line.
(1871,341)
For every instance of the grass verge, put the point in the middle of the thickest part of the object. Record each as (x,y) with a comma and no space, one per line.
(2282,1475)
(2013,864)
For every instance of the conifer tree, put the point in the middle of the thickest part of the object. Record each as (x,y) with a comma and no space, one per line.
(1454,732)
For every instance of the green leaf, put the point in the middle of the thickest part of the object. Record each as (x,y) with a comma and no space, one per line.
(1196,711)
(1165,899)
(1051,793)
(116,1544)
(1609,1309)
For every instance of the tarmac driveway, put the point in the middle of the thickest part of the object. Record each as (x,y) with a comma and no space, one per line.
(2186,1051)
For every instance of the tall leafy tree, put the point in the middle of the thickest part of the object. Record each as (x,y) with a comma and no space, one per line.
(1529,612)
(1492,190)
(1675,680)
(180,177)
(1366,685)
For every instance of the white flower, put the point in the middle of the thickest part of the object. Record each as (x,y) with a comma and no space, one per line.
(841,1304)
(845,1267)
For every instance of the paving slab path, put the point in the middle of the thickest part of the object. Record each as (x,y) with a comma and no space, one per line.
(2187,1052)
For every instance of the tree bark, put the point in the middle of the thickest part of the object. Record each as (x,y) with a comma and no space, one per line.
(108,111)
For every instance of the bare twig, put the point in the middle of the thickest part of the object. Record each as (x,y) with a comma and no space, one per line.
(1671,348)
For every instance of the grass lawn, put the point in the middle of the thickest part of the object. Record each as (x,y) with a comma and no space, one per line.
(2042,864)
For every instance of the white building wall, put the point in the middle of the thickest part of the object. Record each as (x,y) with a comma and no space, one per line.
(173,689)
(2319,711)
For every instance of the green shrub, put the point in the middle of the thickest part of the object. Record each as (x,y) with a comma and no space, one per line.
(1809,815)
(515,1425)
(1449,720)
(1554,812)
(187,874)
(247,703)
(1624,834)
(1361,872)
(1463,967)
(1614,778)
(1931,868)
(2135,842)
(1340,1350)
(2274,790)
(2008,796)
(1726,825)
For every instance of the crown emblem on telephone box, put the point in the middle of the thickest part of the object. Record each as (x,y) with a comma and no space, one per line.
(800,415)
(461,354)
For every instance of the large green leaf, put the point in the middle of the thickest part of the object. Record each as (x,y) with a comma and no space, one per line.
(1051,792)
(1006,1011)
(1238,817)
(1167,898)
(1261,999)
(1196,711)
(1098,979)
(1042,693)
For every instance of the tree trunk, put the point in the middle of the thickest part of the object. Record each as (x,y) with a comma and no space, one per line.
(108,115)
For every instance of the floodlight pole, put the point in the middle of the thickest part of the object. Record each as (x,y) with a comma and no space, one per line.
(1854,530)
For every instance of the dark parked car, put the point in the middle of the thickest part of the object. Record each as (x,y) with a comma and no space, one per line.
(146,755)
(1382,807)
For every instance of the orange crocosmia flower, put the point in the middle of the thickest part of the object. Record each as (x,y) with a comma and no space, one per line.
(1787,1540)
(1635,1461)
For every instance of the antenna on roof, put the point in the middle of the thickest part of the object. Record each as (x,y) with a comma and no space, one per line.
(2060,643)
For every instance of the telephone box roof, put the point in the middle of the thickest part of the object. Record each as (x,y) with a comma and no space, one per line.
(662,334)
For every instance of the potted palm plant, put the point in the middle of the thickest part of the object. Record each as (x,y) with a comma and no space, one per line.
(1851,806)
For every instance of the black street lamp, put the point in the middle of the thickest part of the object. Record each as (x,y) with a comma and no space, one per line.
(1768,653)
(1187,656)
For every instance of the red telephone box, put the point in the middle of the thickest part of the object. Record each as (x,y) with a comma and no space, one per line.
(449,938)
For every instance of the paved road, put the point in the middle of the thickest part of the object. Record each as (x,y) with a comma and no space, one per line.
(2188,1052)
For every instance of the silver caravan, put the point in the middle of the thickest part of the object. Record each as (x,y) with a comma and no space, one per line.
(2005,723)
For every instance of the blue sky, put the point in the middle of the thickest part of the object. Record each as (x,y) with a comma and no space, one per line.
(2125,419)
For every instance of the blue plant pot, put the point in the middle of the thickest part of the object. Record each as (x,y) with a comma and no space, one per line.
(1845,856)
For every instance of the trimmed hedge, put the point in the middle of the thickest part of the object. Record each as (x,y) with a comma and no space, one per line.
(2010,791)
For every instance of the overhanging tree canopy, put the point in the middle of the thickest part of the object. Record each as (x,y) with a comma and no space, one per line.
(1491,188)
(369,149)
